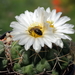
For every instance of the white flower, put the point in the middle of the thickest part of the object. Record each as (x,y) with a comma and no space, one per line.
(31,29)
(59,27)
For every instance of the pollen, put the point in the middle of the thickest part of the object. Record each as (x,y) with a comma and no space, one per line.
(50,24)
(36,31)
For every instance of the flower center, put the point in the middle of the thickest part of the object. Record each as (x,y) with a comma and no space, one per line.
(36,31)
(51,25)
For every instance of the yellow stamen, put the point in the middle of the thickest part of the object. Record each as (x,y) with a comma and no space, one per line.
(36,31)
(51,26)
(51,23)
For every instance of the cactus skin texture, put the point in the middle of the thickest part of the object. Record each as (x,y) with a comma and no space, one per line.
(14,59)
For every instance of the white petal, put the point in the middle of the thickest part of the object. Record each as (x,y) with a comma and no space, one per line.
(48,10)
(39,14)
(63,36)
(59,43)
(18,37)
(53,15)
(36,45)
(67,37)
(66,28)
(41,42)
(15,25)
(48,42)
(68,25)
(24,40)
(57,16)
(38,50)
(14,33)
(29,43)
(50,37)
(67,31)
(62,20)
(23,20)
(29,17)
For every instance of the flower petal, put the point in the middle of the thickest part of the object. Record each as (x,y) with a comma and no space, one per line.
(48,10)
(59,43)
(29,43)
(36,45)
(48,42)
(62,20)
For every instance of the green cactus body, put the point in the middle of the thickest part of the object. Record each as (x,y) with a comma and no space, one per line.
(53,61)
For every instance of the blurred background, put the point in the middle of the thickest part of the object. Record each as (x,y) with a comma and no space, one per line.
(10,8)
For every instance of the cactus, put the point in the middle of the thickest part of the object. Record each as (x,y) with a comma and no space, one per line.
(14,59)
